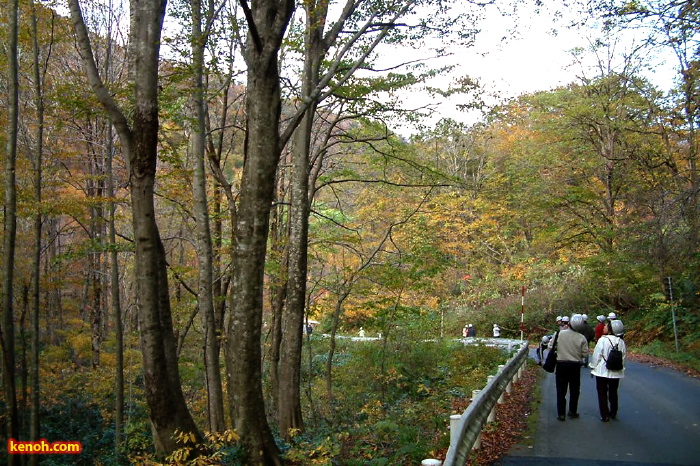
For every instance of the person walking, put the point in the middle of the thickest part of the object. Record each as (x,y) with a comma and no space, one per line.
(587,330)
(607,381)
(600,328)
(471,331)
(496,331)
(541,348)
(572,349)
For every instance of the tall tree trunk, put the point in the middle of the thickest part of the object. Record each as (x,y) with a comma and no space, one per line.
(7,335)
(267,21)
(168,410)
(289,392)
(116,301)
(289,388)
(205,292)
(114,290)
(279,236)
(36,263)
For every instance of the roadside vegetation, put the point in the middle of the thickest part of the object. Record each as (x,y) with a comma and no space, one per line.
(167,233)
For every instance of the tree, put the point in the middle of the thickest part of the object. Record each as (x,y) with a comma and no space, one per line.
(39,76)
(205,290)
(7,333)
(354,36)
(267,22)
(167,407)
(675,26)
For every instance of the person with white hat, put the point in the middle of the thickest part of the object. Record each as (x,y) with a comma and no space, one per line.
(496,331)
(541,349)
(586,330)
(607,379)
(572,350)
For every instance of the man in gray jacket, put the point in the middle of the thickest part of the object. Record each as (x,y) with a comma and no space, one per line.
(572,350)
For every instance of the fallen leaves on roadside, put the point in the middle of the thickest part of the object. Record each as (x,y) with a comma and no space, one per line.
(656,361)
(511,420)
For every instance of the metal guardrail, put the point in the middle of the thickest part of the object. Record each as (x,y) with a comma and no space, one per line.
(466,429)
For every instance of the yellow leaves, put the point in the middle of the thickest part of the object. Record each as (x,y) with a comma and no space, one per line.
(194,454)
(424,390)
(220,439)
(81,345)
(185,437)
(372,408)
(307,453)
(517,272)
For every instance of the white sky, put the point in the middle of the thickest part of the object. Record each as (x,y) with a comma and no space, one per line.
(533,60)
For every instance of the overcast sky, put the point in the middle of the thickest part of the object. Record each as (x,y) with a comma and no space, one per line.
(533,60)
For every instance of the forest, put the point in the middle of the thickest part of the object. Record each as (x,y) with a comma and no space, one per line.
(203,200)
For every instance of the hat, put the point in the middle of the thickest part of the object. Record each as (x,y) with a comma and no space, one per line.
(617,327)
(585,317)
(495,325)
(612,316)
(470,325)
(601,318)
(565,319)
(558,318)
(545,339)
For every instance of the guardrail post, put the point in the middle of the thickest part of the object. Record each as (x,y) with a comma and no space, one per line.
(492,414)
(454,429)
(477,443)
(502,398)
(516,376)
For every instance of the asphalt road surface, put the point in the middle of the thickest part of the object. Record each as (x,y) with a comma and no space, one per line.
(658,423)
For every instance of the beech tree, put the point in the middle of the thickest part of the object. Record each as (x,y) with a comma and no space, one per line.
(168,410)
(7,333)
(267,23)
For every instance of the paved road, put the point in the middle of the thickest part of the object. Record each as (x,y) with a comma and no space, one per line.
(658,423)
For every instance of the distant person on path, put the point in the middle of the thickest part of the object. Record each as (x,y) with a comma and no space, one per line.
(465,331)
(586,329)
(572,349)
(471,331)
(607,381)
(496,331)
(600,328)
(362,332)
(541,349)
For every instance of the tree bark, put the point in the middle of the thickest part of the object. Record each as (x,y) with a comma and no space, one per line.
(36,265)
(7,335)
(288,394)
(267,23)
(205,292)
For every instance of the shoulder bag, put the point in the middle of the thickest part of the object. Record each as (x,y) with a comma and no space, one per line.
(550,362)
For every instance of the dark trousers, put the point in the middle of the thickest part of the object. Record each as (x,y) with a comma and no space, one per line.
(607,391)
(568,378)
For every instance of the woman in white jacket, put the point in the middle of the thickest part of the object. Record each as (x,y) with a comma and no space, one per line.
(607,381)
